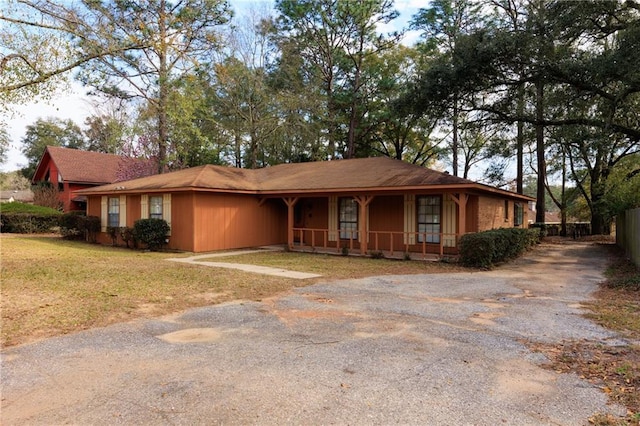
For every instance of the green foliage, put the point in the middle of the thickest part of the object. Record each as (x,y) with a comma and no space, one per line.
(149,48)
(70,226)
(48,132)
(21,218)
(376,255)
(77,226)
(14,181)
(151,232)
(91,226)
(128,236)
(113,232)
(18,207)
(484,249)
(4,143)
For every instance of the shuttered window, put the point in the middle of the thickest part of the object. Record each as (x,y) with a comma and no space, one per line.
(155,207)
(114,212)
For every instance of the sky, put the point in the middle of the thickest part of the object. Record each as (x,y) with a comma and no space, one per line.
(73,104)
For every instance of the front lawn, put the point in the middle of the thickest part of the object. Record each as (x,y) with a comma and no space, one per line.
(51,286)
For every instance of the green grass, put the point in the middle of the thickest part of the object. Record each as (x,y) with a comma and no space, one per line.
(17,207)
(52,286)
(334,266)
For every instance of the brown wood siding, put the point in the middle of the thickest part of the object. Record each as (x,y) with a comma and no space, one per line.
(314,214)
(386,213)
(133,209)
(226,221)
(472,214)
(182,222)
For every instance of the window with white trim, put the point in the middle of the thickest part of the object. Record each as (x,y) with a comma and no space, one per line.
(114,212)
(155,207)
(348,219)
(428,209)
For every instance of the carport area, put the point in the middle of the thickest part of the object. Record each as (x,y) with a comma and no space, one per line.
(420,349)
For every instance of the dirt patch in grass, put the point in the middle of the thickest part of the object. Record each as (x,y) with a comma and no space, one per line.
(51,286)
(616,370)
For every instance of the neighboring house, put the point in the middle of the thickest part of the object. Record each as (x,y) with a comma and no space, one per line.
(74,169)
(322,205)
(19,195)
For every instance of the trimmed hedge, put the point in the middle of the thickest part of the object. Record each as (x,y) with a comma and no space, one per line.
(22,218)
(484,249)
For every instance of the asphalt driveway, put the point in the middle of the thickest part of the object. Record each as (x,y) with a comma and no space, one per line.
(421,349)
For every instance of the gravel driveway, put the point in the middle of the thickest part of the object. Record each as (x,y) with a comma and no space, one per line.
(419,349)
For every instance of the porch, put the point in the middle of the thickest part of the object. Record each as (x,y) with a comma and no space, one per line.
(387,244)
(425,225)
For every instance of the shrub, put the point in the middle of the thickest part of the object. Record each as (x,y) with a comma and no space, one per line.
(91,227)
(377,255)
(47,195)
(128,236)
(28,223)
(151,232)
(477,249)
(112,232)
(483,249)
(72,226)
(21,218)
(542,228)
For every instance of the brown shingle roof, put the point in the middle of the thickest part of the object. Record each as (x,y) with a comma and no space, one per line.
(76,165)
(329,176)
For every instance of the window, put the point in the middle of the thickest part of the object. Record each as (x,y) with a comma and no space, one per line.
(155,207)
(506,210)
(518,213)
(428,209)
(348,219)
(114,212)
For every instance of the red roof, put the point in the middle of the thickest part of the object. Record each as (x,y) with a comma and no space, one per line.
(79,166)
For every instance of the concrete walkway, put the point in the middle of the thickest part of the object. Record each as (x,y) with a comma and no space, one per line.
(265,270)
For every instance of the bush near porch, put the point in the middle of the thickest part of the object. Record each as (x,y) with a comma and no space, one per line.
(484,249)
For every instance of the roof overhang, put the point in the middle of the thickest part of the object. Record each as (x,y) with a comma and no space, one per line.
(478,189)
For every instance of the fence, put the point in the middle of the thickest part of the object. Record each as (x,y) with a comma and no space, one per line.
(628,233)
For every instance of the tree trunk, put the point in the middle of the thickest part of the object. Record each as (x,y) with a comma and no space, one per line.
(563,207)
(163,91)
(520,143)
(598,223)
(542,167)
(353,118)
(454,143)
